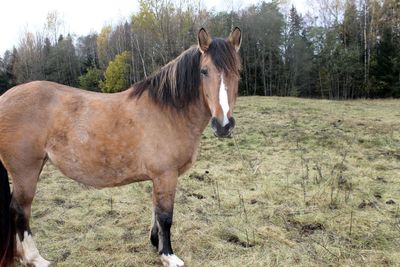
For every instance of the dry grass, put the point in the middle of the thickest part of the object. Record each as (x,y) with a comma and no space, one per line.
(310,183)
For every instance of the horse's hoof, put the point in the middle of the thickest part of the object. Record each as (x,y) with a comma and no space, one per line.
(40,262)
(171,261)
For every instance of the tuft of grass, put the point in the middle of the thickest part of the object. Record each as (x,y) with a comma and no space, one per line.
(302,183)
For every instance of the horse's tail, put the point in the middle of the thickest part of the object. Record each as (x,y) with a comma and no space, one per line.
(7,225)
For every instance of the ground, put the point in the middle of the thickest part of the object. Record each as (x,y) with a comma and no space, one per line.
(302,183)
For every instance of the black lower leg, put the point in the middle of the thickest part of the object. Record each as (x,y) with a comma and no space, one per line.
(21,221)
(164,222)
(154,235)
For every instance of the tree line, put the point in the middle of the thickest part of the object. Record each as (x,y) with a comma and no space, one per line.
(344,49)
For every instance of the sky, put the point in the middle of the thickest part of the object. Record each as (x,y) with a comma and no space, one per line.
(82,16)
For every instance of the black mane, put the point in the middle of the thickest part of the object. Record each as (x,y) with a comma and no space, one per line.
(177,83)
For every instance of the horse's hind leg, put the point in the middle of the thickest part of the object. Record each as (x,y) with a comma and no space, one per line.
(25,175)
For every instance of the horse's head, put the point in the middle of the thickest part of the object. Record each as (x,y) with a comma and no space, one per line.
(220,73)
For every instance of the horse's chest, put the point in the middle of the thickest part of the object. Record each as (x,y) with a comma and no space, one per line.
(178,154)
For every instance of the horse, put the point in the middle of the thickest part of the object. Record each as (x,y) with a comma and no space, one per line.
(151,131)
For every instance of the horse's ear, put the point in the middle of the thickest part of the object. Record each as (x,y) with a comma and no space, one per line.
(204,40)
(235,38)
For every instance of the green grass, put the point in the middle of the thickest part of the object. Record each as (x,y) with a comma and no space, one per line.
(303,183)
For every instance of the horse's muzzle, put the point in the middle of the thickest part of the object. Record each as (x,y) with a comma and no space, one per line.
(222,131)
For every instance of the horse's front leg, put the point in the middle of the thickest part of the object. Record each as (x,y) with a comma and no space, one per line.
(164,188)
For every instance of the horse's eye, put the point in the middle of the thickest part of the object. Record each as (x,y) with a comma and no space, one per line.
(204,72)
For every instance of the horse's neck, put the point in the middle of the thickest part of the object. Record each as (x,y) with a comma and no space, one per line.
(197,117)
(192,120)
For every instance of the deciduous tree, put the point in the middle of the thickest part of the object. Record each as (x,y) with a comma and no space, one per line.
(116,76)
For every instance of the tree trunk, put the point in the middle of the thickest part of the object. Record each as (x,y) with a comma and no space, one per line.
(263,73)
(141,58)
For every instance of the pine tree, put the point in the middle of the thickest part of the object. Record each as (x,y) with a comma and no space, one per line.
(90,80)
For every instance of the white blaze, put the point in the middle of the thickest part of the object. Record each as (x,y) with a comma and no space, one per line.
(223,101)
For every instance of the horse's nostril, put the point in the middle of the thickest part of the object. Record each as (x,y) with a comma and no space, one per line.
(232,122)
(214,123)
(222,131)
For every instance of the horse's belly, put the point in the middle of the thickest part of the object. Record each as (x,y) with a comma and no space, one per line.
(96,170)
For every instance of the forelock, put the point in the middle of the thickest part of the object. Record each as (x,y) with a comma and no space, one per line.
(224,56)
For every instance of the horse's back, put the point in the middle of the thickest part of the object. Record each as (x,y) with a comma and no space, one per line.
(38,91)
(25,94)
(27,106)
(22,104)
(36,99)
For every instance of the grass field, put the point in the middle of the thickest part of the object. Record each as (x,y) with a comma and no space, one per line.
(303,183)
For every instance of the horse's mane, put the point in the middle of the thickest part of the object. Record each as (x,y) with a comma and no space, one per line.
(177,83)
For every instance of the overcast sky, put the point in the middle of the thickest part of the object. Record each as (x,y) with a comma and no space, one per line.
(81,16)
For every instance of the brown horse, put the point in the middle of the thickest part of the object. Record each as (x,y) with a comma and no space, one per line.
(148,132)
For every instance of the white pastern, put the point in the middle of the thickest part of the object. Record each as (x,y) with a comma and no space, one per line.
(171,260)
(223,100)
(29,253)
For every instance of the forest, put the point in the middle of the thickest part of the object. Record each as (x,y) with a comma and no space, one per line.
(344,49)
